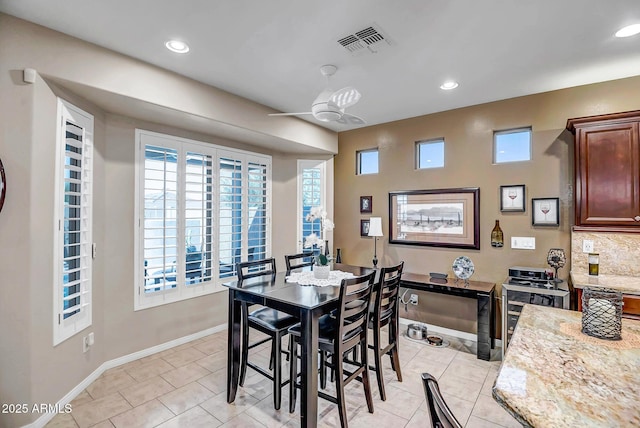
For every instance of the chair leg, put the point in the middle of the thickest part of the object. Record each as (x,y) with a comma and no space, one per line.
(365,376)
(323,370)
(293,375)
(378,362)
(395,353)
(244,355)
(338,370)
(277,371)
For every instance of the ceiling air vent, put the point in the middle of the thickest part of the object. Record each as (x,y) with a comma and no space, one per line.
(370,39)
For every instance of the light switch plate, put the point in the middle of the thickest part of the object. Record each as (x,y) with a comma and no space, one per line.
(523,242)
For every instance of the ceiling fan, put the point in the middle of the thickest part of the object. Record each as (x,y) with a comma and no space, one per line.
(329,106)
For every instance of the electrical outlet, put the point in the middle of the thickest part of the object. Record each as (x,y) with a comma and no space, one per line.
(85,344)
(413,299)
(587,246)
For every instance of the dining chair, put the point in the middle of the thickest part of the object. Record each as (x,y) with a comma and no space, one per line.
(384,312)
(298,261)
(269,321)
(441,414)
(338,334)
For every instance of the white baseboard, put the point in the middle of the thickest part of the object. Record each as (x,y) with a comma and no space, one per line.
(449,332)
(46,417)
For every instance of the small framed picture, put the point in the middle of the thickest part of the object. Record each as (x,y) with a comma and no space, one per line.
(366,204)
(364,227)
(512,198)
(545,211)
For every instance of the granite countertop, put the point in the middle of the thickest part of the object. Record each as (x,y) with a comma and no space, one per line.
(555,376)
(625,284)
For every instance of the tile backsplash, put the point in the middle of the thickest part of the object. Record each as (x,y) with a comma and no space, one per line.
(619,252)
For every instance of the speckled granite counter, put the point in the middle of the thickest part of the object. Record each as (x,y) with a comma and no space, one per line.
(550,378)
(625,284)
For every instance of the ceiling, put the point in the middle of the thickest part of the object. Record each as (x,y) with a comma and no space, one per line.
(271,51)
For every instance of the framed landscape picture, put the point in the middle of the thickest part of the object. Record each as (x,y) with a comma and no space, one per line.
(438,218)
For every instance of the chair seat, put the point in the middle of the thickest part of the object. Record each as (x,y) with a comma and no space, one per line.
(272,319)
(327,325)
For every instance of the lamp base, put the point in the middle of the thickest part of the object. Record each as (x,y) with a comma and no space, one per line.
(375,262)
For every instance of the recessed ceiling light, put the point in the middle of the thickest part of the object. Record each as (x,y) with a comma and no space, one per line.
(449,85)
(628,31)
(177,46)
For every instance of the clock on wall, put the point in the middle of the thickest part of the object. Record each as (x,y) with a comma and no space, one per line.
(3,185)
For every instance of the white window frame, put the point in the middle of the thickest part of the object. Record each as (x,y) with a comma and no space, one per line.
(527,129)
(302,165)
(359,161)
(66,328)
(181,292)
(421,143)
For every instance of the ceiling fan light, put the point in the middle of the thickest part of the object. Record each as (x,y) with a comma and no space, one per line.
(327,116)
(449,85)
(628,31)
(177,46)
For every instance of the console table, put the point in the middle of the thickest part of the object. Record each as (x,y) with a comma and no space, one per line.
(483,292)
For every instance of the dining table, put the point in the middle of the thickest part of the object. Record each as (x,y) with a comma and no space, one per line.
(306,302)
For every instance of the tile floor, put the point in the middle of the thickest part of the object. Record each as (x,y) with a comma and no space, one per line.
(185,387)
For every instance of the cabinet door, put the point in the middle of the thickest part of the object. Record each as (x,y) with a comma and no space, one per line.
(608,175)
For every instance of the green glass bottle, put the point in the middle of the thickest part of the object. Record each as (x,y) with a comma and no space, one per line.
(497,237)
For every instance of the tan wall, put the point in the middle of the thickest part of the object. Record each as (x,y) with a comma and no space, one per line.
(468,135)
(32,370)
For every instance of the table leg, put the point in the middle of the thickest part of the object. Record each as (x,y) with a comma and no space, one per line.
(485,326)
(233,346)
(309,367)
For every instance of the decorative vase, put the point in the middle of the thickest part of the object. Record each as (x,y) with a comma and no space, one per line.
(497,237)
(321,271)
(338,255)
(326,248)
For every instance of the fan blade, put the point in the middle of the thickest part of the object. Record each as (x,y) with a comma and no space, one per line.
(290,114)
(345,97)
(351,119)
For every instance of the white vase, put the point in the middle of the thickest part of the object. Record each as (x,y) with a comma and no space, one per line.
(321,271)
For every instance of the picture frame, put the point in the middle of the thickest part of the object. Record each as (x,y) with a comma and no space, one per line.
(545,211)
(438,218)
(366,204)
(3,185)
(364,227)
(513,198)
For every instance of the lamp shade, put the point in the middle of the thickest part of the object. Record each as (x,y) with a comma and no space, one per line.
(375,226)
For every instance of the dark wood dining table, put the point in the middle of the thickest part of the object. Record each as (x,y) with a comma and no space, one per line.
(308,303)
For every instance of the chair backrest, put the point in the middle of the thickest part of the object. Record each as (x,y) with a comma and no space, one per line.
(255,268)
(441,415)
(297,261)
(385,306)
(353,309)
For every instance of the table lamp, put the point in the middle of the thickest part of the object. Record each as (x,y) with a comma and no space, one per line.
(375,230)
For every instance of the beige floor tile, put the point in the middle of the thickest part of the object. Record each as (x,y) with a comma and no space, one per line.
(488,409)
(399,402)
(461,408)
(196,417)
(460,387)
(242,421)
(99,410)
(146,391)
(110,383)
(81,398)
(215,382)
(380,418)
(103,424)
(186,397)
(212,346)
(185,374)
(214,362)
(62,420)
(475,422)
(183,357)
(420,418)
(146,415)
(149,369)
(223,411)
(157,355)
(467,370)
(264,412)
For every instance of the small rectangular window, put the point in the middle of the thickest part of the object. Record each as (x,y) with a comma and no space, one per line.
(367,161)
(512,145)
(430,154)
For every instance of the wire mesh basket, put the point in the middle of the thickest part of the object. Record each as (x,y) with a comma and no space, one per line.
(602,313)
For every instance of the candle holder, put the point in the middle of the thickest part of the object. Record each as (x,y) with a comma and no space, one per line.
(602,313)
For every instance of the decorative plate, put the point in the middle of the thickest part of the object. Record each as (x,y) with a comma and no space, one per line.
(463,267)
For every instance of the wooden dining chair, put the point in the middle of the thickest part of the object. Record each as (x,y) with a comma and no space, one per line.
(269,321)
(338,334)
(384,312)
(441,415)
(299,261)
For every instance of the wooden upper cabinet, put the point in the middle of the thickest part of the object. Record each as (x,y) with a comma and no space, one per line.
(607,163)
